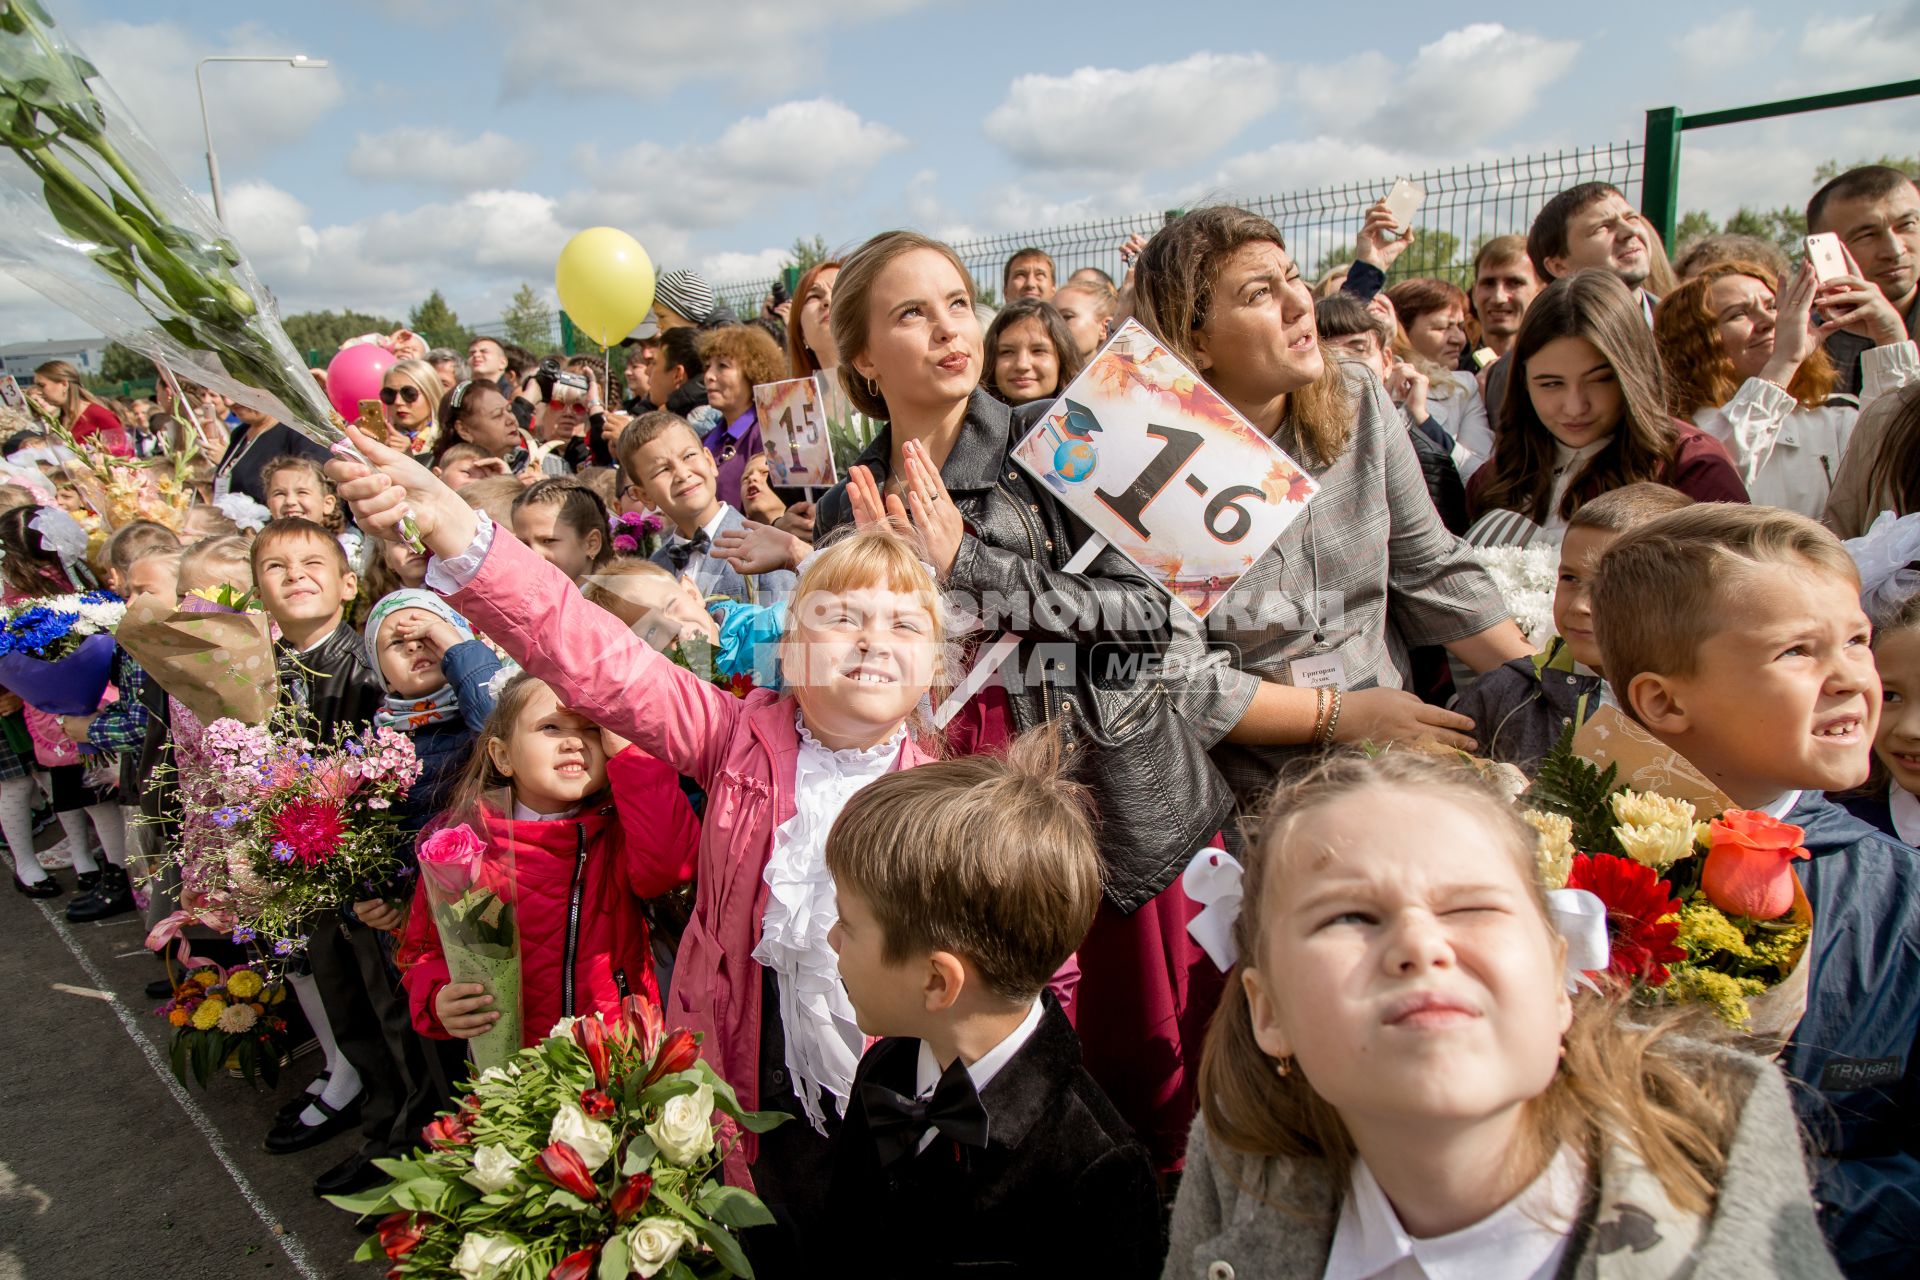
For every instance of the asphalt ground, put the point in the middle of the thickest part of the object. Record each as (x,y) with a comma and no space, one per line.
(110,1169)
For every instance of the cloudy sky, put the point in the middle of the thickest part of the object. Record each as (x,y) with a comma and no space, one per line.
(457,145)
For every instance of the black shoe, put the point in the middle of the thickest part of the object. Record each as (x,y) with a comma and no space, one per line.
(160,989)
(355,1173)
(45,888)
(86,881)
(113,897)
(290,1111)
(286,1138)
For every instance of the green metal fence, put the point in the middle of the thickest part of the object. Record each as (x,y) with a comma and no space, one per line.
(1465,205)
(1660,199)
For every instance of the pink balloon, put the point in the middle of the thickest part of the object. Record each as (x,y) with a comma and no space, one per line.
(355,374)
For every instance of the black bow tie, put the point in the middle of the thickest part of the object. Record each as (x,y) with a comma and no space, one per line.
(898,1123)
(682,552)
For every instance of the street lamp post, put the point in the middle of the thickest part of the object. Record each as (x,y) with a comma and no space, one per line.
(299,61)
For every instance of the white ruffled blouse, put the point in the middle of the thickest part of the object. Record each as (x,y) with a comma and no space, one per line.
(823,1041)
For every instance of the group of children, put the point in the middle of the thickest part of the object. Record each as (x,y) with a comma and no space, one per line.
(869,937)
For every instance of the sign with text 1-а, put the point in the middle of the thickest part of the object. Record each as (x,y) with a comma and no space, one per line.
(793,429)
(1142,449)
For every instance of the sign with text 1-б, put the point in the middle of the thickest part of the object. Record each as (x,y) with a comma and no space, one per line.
(1143,450)
(794,432)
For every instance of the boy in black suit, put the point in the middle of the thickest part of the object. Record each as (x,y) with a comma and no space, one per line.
(974,1141)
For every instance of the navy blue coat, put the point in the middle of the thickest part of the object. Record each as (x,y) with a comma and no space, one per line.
(1853,1054)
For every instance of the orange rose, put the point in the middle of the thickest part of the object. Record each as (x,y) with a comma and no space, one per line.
(1748,870)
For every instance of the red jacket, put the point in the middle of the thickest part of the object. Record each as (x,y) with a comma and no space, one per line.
(577,884)
(98,418)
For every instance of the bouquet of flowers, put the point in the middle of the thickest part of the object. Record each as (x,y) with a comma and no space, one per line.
(225,1016)
(123,490)
(702,657)
(310,823)
(470,889)
(591,1154)
(637,533)
(57,652)
(1702,907)
(1526,576)
(214,652)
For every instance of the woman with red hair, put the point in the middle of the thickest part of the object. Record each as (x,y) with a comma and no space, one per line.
(1748,368)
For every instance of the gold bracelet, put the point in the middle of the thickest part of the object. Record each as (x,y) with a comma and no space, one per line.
(1333,722)
(1320,700)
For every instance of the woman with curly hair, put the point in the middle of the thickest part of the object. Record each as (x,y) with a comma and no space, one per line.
(1745,365)
(738,359)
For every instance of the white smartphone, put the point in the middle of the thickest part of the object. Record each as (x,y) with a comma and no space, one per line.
(1828,258)
(1402,201)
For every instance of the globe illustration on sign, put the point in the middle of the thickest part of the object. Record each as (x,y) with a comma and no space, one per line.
(1074,460)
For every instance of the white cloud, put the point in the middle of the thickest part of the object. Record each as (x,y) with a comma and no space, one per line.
(254,108)
(1465,87)
(1104,120)
(764,47)
(1726,45)
(731,265)
(794,147)
(436,157)
(1868,49)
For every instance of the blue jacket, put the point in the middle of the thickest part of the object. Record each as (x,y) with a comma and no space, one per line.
(443,747)
(1853,1054)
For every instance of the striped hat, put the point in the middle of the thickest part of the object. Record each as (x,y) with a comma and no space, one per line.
(686,295)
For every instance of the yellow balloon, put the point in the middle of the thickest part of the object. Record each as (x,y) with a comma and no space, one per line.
(605,282)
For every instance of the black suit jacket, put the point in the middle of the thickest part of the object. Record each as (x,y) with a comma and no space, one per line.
(1061,1189)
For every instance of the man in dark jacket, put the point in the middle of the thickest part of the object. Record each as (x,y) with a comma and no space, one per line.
(1875,211)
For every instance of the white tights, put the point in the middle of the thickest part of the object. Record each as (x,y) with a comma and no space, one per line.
(16,824)
(109,823)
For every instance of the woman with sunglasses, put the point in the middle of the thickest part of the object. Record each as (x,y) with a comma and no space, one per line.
(410,399)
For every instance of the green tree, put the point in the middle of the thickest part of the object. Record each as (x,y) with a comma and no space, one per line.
(1833,168)
(528,320)
(807,253)
(1786,227)
(324,331)
(435,321)
(124,364)
(1432,253)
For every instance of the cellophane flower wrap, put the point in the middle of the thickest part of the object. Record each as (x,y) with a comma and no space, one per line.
(56,652)
(469,887)
(1698,911)
(226,1017)
(305,826)
(595,1153)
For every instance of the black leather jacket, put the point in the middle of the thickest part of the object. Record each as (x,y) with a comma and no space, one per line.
(332,681)
(1093,638)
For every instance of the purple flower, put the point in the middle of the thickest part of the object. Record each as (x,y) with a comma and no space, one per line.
(243,934)
(225,816)
(282,851)
(622,543)
(284,947)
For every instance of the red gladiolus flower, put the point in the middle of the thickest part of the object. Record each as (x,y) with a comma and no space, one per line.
(642,1018)
(596,1104)
(1749,869)
(566,1170)
(591,1035)
(631,1196)
(1638,904)
(470,1108)
(679,1052)
(445,1132)
(311,829)
(400,1233)
(576,1266)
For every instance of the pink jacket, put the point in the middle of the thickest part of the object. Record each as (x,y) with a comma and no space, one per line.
(743,752)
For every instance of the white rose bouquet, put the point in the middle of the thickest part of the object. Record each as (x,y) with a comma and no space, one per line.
(592,1155)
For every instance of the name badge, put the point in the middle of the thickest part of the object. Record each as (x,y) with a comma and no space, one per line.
(1319,671)
(222,485)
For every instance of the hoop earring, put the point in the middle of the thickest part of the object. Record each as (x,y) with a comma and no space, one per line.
(1283,1067)
(873,388)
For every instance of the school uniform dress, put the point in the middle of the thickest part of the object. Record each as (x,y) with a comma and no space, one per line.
(714,576)
(1055,1185)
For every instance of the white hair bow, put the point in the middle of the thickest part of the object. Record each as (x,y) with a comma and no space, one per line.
(1212,879)
(243,511)
(1883,555)
(1581,918)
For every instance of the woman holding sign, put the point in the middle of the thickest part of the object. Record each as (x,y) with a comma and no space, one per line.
(912,355)
(1315,628)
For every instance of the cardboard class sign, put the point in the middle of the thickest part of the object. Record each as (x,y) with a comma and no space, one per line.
(793,430)
(1144,451)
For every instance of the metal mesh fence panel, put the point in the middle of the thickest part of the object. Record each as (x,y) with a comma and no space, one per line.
(1465,206)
